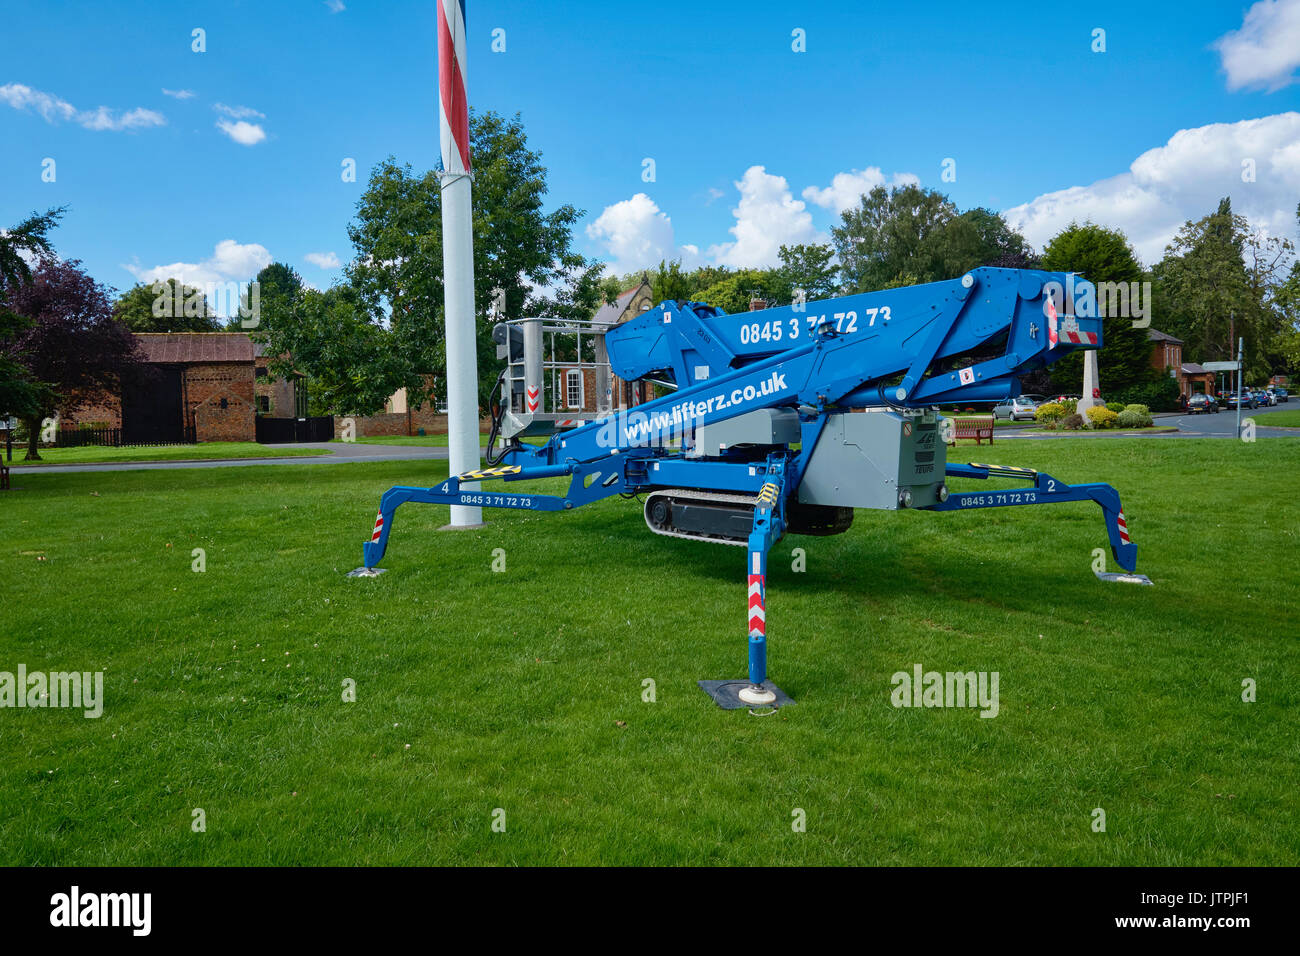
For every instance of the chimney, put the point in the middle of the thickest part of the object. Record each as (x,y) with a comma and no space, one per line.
(756,304)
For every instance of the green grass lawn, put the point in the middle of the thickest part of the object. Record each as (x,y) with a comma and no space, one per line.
(523,690)
(205,451)
(1277,418)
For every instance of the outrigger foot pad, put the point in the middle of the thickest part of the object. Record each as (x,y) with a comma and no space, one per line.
(366,572)
(740,694)
(1124,577)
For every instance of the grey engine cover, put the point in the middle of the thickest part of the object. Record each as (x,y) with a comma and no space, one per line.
(865,459)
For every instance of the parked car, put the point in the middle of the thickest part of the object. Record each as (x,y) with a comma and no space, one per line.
(1266,396)
(1282,394)
(1230,399)
(1201,402)
(1018,409)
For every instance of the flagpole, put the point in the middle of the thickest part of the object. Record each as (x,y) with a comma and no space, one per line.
(458,256)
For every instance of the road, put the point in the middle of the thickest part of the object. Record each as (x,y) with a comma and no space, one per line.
(1216,425)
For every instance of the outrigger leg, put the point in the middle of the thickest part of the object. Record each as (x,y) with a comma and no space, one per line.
(769,525)
(1049,490)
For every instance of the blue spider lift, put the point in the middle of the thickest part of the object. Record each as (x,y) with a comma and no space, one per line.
(784,420)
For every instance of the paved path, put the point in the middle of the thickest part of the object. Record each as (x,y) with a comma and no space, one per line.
(1216,425)
(342,452)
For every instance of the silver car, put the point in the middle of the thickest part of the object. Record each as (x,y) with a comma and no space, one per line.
(1018,409)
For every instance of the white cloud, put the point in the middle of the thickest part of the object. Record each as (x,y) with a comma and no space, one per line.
(323,260)
(178,94)
(104,118)
(1183,179)
(53,109)
(230,261)
(243,133)
(1265,51)
(638,236)
(336,6)
(237,127)
(847,188)
(238,112)
(767,217)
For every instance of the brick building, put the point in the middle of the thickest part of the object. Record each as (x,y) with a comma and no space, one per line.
(275,396)
(1167,356)
(578,389)
(399,417)
(199,381)
(214,386)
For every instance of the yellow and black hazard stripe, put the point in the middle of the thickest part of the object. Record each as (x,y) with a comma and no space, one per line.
(490,473)
(767,494)
(1006,471)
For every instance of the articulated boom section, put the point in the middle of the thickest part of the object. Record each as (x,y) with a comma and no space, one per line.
(906,332)
(759,438)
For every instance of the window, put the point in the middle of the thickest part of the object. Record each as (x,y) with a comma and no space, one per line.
(573,387)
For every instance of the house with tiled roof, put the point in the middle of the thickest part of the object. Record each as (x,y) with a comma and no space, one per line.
(189,386)
(1167,356)
(218,386)
(194,386)
(584,390)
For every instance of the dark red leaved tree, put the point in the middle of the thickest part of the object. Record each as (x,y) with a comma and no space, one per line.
(74,346)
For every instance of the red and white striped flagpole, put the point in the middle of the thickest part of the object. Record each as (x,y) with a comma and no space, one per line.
(458,256)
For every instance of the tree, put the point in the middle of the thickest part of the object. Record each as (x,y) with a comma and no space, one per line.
(19,394)
(518,249)
(667,283)
(278,287)
(1286,300)
(27,240)
(809,267)
(908,234)
(328,336)
(980,237)
(736,290)
(73,346)
(888,239)
(167,305)
(1102,255)
(1209,294)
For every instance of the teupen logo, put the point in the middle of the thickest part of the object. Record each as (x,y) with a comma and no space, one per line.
(952,689)
(134,910)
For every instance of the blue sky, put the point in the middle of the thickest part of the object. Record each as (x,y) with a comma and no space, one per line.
(747,136)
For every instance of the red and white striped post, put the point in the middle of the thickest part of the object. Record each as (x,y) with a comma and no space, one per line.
(458,256)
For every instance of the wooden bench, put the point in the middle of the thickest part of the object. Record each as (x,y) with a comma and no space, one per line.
(978,428)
